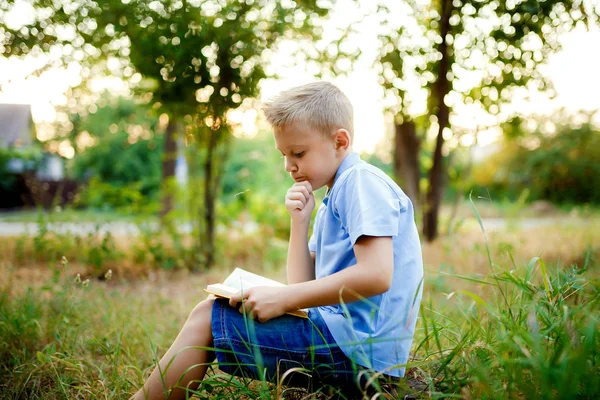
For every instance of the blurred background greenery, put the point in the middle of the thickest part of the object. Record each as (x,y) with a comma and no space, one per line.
(159,114)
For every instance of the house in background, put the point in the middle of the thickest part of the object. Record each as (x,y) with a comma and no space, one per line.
(16,125)
(29,177)
(17,130)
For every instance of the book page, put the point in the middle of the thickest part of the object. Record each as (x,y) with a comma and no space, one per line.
(240,279)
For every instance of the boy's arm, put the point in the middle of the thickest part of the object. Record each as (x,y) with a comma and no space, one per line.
(300,203)
(300,261)
(370,276)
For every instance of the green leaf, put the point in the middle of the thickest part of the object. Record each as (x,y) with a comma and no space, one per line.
(42,357)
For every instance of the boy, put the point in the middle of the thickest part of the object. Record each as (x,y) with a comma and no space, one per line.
(360,274)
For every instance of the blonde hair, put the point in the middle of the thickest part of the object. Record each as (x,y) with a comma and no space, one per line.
(318,105)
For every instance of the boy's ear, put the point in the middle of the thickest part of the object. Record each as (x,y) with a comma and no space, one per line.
(341,139)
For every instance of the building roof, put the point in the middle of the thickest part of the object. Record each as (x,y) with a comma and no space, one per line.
(15,124)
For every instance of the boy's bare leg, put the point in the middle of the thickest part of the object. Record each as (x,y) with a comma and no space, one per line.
(197,333)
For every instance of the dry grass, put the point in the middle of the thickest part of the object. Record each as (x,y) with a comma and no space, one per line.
(463,253)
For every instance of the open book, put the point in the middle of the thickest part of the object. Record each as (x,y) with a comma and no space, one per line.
(240,279)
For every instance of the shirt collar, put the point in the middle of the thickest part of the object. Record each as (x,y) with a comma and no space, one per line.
(351,160)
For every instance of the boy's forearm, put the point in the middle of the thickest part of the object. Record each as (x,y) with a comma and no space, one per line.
(352,284)
(300,266)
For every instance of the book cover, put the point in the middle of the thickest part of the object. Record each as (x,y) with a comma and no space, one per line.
(241,279)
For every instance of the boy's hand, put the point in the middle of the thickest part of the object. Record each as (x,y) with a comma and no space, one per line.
(261,302)
(300,201)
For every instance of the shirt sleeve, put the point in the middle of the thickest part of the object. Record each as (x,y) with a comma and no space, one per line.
(312,241)
(366,205)
(312,244)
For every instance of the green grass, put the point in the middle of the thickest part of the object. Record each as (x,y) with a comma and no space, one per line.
(524,331)
(528,331)
(72,339)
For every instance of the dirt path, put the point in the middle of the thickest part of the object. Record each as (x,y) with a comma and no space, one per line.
(80,228)
(127,229)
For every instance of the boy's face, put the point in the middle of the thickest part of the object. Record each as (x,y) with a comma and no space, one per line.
(309,155)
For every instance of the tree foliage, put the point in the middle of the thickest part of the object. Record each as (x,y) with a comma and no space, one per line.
(498,46)
(195,60)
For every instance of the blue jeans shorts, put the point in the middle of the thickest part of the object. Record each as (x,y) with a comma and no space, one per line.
(266,351)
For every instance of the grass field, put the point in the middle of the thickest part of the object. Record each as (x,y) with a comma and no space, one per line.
(496,322)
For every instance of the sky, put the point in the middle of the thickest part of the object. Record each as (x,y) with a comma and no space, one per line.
(573,71)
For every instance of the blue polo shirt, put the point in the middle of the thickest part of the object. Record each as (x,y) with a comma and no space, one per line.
(376,332)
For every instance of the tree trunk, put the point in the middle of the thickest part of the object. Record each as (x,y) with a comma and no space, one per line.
(216,159)
(406,160)
(168,168)
(208,245)
(439,90)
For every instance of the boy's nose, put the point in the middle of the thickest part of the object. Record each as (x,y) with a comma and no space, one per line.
(290,166)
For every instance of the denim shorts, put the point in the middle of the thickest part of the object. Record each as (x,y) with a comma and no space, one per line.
(299,352)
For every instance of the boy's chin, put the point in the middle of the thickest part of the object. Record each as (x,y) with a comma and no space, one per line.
(317,186)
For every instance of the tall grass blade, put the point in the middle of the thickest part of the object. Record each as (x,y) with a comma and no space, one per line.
(489,256)
(545,277)
(477,299)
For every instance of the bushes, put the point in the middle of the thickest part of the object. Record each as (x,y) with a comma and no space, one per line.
(28,159)
(127,199)
(149,249)
(562,168)
(97,250)
(123,175)
(119,153)
(16,164)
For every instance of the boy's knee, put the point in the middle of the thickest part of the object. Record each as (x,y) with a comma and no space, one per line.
(202,312)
